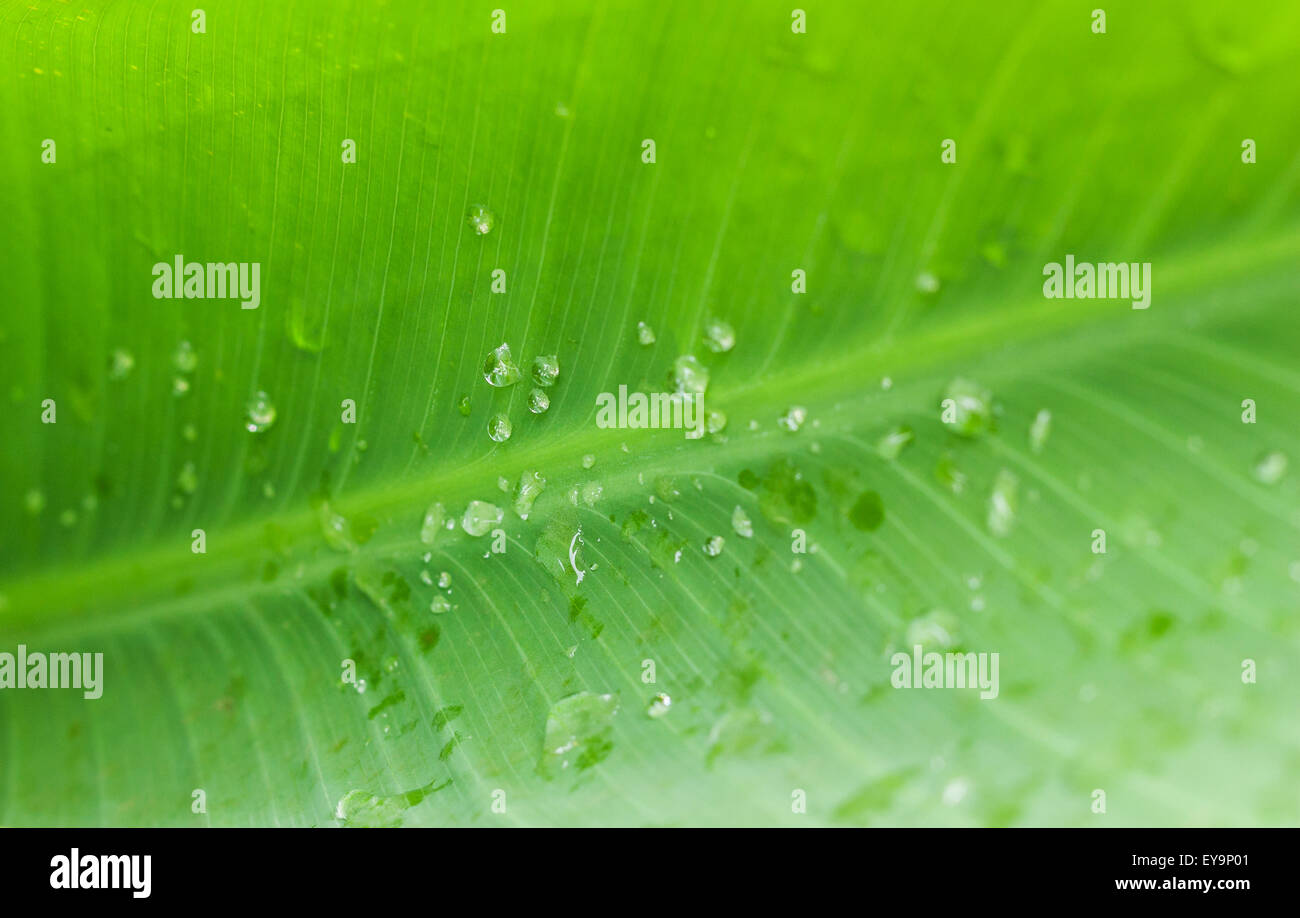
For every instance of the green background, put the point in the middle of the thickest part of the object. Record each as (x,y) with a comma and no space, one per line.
(775,151)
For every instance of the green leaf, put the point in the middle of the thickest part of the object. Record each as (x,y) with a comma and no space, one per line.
(518,694)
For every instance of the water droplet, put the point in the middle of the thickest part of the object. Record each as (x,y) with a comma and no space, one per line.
(713,546)
(578,730)
(927,283)
(645,334)
(261,413)
(34,501)
(68,518)
(120,363)
(948,475)
(185,358)
(190,433)
(463,406)
(546,369)
(935,630)
(499,428)
(588,461)
(1270,467)
(741,522)
(499,369)
(481,219)
(480,517)
(690,376)
(180,386)
(955,791)
(659,705)
(434,517)
(530,487)
(719,336)
(444,580)
(971,409)
(426,578)
(894,442)
(1039,430)
(715,422)
(1003,503)
(439,604)
(306,326)
(538,401)
(793,418)
(591,492)
(886,383)
(188,479)
(334,527)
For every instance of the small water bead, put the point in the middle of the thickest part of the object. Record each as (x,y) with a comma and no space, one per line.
(188,479)
(434,518)
(444,580)
(645,334)
(715,422)
(480,517)
(499,428)
(531,484)
(927,283)
(184,358)
(1039,430)
(719,336)
(335,529)
(261,413)
(690,376)
(588,461)
(180,386)
(481,219)
(1003,503)
(659,705)
(426,578)
(741,523)
(34,501)
(793,418)
(893,443)
(439,604)
(190,433)
(538,401)
(546,369)
(591,493)
(713,546)
(463,406)
(1270,467)
(500,369)
(967,407)
(120,363)
(68,518)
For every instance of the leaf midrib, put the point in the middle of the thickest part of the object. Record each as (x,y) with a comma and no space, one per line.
(144,583)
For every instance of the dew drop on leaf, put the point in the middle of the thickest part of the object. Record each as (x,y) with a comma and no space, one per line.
(481,219)
(546,369)
(1003,503)
(480,517)
(499,369)
(719,336)
(538,401)
(499,428)
(1270,467)
(261,412)
(659,705)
